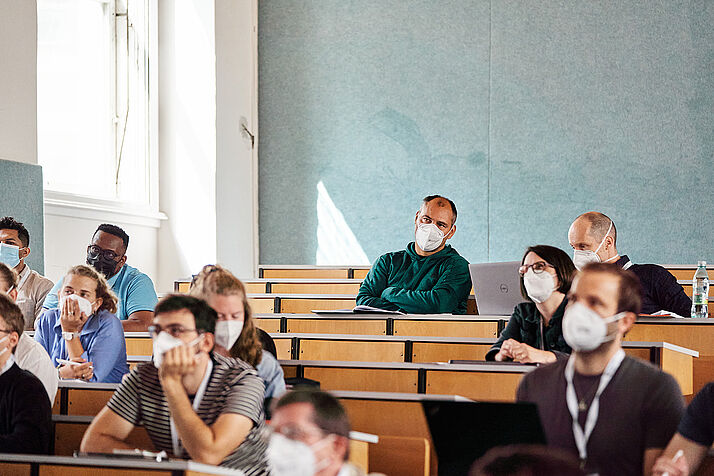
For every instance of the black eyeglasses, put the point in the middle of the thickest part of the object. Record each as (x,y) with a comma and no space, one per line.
(537,268)
(95,252)
(174,330)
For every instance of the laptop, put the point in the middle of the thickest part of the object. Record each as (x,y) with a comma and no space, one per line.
(496,286)
(462,432)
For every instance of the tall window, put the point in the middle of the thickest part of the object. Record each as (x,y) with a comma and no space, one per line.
(93,98)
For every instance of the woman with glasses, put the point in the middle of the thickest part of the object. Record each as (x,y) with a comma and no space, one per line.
(236,334)
(534,333)
(83,337)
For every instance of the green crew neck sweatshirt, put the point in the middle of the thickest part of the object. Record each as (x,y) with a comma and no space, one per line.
(405,281)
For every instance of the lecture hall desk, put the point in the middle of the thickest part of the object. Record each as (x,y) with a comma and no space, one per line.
(27,465)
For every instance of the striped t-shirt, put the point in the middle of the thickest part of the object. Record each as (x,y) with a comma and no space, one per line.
(234,387)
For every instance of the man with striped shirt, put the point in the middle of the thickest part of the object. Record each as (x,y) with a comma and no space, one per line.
(193,403)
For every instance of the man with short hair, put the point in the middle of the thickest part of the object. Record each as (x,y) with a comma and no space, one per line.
(29,354)
(593,237)
(429,276)
(318,420)
(135,290)
(193,402)
(616,413)
(25,413)
(32,287)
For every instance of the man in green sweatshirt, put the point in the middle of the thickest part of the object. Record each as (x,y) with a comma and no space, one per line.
(429,277)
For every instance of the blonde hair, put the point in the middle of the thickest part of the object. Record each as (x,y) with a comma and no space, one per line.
(109,299)
(216,280)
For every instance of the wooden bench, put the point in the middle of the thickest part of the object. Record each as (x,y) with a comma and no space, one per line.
(299,303)
(290,286)
(686,271)
(309,271)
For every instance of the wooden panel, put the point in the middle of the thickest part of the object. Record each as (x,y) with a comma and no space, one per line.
(360,273)
(400,456)
(262,305)
(182,287)
(489,386)
(359,454)
(405,327)
(55,404)
(699,337)
(338,326)
(361,351)
(139,346)
(289,371)
(643,354)
(303,306)
(68,437)
(51,470)
(87,402)
(368,380)
(257,288)
(384,417)
(437,352)
(314,288)
(680,367)
(315,273)
(15,469)
(684,273)
(269,325)
(284,348)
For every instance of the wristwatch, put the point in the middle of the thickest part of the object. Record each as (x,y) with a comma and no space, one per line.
(68,336)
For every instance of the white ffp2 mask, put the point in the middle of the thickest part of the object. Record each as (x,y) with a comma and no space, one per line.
(227,332)
(583,329)
(581,258)
(164,342)
(429,236)
(288,457)
(85,305)
(539,286)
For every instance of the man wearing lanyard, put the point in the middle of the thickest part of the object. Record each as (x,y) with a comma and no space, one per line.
(593,237)
(194,403)
(616,413)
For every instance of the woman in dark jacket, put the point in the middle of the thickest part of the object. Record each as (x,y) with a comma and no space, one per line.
(534,333)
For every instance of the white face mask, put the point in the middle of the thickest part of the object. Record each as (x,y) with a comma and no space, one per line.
(164,342)
(584,330)
(539,286)
(429,236)
(227,332)
(581,258)
(6,349)
(85,305)
(288,457)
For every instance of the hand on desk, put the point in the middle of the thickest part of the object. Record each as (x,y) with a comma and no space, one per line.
(511,349)
(83,371)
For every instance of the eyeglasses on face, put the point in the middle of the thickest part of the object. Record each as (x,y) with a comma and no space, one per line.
(174,330)
(95,252)
(537,267)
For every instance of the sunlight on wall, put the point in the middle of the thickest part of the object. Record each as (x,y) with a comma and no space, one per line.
(336,244)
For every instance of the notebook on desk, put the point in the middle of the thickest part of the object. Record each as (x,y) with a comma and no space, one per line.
(497,287)
(462,432)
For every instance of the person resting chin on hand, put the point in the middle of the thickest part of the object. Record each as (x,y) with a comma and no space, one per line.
(534,332)
(84,330)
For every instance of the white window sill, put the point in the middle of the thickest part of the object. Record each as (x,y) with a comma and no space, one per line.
(77,206)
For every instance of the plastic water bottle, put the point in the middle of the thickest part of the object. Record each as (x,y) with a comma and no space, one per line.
(700,291)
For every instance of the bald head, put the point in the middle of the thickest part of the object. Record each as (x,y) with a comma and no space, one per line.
(593,230)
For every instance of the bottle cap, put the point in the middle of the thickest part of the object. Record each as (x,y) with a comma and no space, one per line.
(702,263)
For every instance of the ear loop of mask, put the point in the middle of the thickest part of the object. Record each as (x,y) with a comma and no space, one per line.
(324,462)
(2,352)
(194,342)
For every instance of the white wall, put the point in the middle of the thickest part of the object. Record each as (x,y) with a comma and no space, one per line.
(206,83)
(18,80)
(236,160)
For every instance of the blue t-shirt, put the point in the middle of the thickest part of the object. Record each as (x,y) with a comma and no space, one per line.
(134,289)
(272,374)
(102,339)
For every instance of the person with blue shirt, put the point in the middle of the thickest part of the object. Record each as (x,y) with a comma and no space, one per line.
(83,337)
(135,290)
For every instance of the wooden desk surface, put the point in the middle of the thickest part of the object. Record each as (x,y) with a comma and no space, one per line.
(170,466)
(498,367)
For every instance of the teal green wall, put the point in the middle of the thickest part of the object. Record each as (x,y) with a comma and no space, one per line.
(525,113)
(21,197)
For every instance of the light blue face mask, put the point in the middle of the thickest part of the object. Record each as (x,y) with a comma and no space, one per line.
(9,254)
